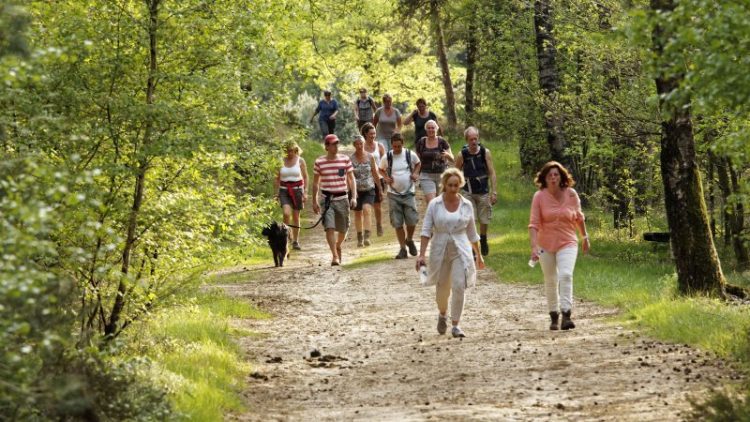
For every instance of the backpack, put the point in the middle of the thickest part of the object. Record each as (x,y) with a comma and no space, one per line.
(475,182)
(390,160)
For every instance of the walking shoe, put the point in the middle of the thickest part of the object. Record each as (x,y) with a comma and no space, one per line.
(554,318)
(442,324)
(457,332)
(380,230)
(367,238)
(485,248)
(567,323)
(412,247)
(295,246)
(402,254)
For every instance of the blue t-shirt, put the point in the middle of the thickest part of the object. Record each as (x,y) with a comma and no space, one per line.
(327,109)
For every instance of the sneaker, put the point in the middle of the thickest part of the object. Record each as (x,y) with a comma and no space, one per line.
(295,246)
(402,254)
(457,332)
(412,247)
(442,326)
(485,248)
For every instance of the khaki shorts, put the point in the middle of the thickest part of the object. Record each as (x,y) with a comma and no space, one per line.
(337,216)
(482,206)
(403,210)
(429,182)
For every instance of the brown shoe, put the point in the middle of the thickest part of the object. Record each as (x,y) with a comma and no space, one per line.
(567,323)
(554,317)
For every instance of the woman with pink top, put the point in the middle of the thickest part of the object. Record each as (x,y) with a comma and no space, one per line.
(555,216)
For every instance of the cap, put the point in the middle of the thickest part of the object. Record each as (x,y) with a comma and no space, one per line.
(331,139)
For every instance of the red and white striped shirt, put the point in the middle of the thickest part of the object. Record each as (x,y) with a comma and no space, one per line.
(333,172)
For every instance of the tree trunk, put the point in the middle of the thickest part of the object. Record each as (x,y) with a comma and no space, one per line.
(696,260)
(112,328)
(549,81)
(471,61)
(450,98)
(737,220)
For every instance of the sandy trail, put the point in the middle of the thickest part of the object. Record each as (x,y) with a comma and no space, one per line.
(382,359)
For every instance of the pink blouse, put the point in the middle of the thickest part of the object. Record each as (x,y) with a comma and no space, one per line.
(555,221)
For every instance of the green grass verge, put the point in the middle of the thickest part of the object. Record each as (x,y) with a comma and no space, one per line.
(195,353)
(629,274)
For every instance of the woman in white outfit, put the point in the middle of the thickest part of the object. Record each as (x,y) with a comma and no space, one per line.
(449,223)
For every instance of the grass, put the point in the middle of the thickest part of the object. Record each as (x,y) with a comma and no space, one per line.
(621,272)
(195,352)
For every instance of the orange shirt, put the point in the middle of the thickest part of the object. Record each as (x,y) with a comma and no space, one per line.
(555,221)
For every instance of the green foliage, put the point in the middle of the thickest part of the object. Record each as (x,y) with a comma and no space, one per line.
(194,351)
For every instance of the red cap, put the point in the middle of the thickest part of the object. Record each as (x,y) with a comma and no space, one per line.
(331,139)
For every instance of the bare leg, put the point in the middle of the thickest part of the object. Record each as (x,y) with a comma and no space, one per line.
(330,238)
(358,220)
(367,213)
(401,235)
(295,230)
(287,209)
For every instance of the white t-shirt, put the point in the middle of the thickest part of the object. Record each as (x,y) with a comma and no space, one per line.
(401,173)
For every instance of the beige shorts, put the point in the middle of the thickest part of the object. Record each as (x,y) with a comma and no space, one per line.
(482,206)
(337,216)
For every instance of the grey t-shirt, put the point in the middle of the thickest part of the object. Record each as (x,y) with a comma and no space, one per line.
(386,124)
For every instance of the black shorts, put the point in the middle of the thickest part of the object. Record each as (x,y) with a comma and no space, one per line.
(365,197)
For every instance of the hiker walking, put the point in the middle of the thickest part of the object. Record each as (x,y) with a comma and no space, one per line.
(420,117)
(364,108)
(368,183)
(555,215)
(400,169)
(328,109)
(449,229)
(378,151)
(333,177)
(290,186)
(435,154)
(481,182)
(387,121)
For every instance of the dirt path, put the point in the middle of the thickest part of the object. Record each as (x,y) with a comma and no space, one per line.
(382,359)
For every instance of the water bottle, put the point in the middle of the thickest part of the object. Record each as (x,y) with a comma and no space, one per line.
(423,275)
(533,262)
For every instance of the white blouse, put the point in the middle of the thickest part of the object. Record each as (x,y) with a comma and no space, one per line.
(441,226)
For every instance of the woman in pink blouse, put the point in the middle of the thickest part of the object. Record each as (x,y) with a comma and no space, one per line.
(555,216)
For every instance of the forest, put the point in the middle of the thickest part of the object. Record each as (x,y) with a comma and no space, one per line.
(139,140)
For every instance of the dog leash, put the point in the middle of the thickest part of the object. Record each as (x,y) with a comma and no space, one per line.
(326,206)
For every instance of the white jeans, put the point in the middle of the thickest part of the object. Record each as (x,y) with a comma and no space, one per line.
(558,277)
(452,280)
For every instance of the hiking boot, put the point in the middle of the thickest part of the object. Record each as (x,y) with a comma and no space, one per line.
(442,326)
(567,323)
(554,317)
(402,254)
(360,240)
(412,247)
(380,230)
(295,246)
(367,238)
(485,248)
(457,332)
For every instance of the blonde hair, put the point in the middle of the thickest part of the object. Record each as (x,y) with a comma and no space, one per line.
(447,174)
(291,144)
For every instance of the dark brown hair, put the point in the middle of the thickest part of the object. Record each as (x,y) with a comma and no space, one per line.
(366,128)
(421,101)
(566,180)
(397,137)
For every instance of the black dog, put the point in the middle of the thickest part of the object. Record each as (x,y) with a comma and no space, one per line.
(277,234)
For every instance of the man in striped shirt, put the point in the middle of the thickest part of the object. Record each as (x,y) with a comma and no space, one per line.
(333,177)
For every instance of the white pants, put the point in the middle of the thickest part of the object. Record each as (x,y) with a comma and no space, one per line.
(452,279)
(558,277)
